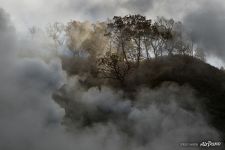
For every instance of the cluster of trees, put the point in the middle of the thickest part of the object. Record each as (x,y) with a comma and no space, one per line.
(122,43)
(134,38)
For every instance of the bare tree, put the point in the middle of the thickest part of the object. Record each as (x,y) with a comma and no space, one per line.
(156,40)
(119,35)
(166,27)
(54,31)
(112,66)
(140,27)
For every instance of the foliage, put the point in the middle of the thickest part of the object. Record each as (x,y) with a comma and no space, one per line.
(123,43)
(133,39)
(112,66)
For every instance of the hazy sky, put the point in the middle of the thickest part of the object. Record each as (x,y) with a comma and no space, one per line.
(40,12)
(204,17)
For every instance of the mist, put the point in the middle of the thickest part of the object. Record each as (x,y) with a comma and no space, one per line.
(43,107)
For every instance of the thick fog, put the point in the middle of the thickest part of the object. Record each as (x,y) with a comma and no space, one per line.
(30,118)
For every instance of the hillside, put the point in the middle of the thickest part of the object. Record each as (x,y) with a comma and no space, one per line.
(206,82)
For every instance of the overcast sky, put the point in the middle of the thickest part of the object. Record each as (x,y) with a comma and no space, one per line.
(204,17)
(40,12)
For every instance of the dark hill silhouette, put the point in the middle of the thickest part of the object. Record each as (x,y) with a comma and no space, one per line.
(207,81)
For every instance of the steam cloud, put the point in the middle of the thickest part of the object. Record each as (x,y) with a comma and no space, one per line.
(30,119)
